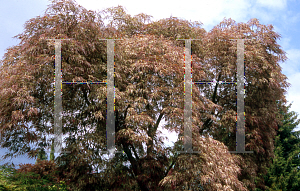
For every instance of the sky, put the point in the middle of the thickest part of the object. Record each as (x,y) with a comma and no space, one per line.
(284,15)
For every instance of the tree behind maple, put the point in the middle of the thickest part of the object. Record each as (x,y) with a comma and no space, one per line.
(284,172)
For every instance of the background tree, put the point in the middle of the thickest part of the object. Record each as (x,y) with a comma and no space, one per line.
(149,83)
(52,151)
(41,156)
(30,177)
(284,172)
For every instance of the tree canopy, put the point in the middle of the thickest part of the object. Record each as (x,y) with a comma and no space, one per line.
(149,86)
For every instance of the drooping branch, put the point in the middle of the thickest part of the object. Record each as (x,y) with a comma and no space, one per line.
(151,133)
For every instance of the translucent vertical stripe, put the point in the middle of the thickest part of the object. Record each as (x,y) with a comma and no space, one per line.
(188,99)
(240,130)
(110,123)
(58,99)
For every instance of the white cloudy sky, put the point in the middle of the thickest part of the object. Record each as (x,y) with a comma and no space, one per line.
(283,14)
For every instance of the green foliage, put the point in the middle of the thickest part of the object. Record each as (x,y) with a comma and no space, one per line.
(5,173)
(42,155)
(52,151)
(61,187)
(12,180)
(284,173)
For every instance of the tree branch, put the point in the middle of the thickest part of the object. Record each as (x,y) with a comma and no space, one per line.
(208,122)
(134,151)
(171,166)
(85,96)
(158,121)
(151,133)
(130,157)
(135,167)
(125,115)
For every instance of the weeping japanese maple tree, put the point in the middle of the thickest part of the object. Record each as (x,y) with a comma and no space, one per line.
(149,86)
